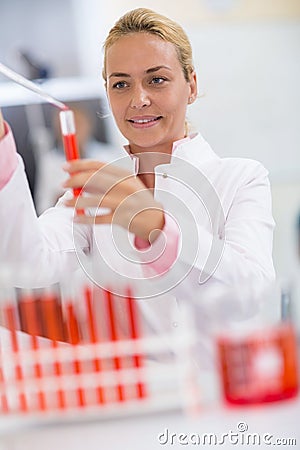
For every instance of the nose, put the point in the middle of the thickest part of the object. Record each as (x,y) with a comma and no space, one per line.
(139,98)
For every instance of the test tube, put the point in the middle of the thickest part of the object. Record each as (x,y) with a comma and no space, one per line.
(94,338)
(54,330)
(112,329)
(73,336)
(134,335)
(68,130)
(31,324)
(10,317)
(4,408)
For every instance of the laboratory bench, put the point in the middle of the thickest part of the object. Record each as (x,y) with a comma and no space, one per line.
(167,404)
(275,424)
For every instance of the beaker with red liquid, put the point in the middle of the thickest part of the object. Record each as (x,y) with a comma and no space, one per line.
(260,365)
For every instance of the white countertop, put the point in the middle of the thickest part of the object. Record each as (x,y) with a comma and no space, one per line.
(268,422)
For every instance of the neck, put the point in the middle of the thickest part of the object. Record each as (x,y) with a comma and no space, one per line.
(159,149)
(147,164)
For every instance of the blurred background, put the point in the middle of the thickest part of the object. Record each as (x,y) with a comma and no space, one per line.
(246,54)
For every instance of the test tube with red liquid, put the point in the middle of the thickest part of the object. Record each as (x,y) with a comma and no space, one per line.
(54,330)
(31,324)
(10,318)
(93,338)
(68,130)
(67,121)
(73,337)
(132,313)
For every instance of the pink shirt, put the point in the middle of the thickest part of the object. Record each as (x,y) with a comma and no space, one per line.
(161,255)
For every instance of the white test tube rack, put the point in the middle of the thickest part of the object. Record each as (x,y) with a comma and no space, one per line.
(128,387)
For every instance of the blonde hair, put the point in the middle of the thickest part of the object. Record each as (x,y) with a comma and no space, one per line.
(142,20)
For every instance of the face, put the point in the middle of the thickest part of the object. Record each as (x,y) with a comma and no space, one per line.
(147,91)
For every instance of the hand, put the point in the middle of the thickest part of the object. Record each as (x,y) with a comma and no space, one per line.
(2,130)
(130,203)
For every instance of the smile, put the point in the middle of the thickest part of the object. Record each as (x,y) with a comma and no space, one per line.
(144,121)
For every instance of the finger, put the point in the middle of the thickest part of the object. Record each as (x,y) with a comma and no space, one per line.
(103,181)
(88,202)
(84,202)
(110,200)
(81,179)
(94,220)
(82,165)
(86,165)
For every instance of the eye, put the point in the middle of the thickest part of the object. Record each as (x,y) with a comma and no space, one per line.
(119,85)
(158,80)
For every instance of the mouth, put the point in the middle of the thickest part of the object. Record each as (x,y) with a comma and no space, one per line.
(145,121)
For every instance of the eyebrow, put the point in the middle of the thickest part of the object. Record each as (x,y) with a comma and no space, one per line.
(155,69)
(126,75)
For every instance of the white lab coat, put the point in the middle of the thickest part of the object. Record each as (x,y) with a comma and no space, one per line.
(222,207)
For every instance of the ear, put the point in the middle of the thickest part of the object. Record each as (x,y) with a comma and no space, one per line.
(193,87)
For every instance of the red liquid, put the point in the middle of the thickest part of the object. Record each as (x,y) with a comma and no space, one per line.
(134,331)
(70,146)
(54,330)
(3,398)
(94,339)
(72,152)
(259,368)
(10,318)
(74,338)
(113,337)
(31,325)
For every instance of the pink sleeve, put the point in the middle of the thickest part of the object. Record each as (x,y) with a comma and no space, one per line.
(8,156)
(161,255)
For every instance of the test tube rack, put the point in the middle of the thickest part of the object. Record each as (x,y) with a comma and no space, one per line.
(58,360)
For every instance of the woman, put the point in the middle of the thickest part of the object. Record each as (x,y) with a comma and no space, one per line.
(175,220)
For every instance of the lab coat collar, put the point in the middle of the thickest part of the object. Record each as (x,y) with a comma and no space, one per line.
(193,147)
